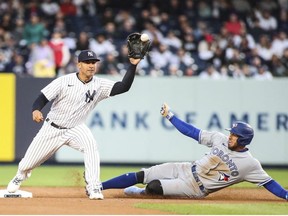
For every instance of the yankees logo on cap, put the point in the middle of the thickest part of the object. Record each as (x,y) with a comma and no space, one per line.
(87,55)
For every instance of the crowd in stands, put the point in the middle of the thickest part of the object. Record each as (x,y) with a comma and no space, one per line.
(215,39)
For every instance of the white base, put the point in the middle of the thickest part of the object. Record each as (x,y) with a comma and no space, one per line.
(17,194)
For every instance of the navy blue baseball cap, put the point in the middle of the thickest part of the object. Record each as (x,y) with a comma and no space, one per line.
(87,55)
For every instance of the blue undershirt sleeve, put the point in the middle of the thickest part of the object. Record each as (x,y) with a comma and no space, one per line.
(185,128)
(276,189)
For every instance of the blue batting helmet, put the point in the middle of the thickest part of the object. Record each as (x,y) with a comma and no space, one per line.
(244,131)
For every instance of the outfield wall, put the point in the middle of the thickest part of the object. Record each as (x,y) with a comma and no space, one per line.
(129,128)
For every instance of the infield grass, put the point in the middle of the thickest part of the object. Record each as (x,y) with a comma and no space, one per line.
(219,209)
(61,176)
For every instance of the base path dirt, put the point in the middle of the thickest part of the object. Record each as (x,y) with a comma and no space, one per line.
(72,200)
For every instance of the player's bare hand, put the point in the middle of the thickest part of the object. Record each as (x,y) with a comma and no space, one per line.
(37,116)
(134,61)
(165,111)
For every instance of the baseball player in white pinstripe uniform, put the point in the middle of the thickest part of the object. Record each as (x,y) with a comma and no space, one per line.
(75,96)
(229,162)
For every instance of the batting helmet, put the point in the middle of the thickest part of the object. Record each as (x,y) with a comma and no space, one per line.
(244,131)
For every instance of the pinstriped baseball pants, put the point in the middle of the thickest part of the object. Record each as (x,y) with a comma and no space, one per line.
(49,139)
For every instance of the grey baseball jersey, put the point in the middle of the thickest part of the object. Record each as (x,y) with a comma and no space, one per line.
(223,167)
(218,169)
(73,101)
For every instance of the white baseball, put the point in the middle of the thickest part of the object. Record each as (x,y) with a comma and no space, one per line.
(144,37)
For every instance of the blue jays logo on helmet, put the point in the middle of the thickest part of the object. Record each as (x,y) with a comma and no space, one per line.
(244,131)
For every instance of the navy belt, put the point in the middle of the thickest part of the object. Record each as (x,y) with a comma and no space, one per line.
(55,125)
(195,175)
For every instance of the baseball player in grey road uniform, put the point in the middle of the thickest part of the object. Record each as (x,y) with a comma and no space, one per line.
(75,96)
(229,162)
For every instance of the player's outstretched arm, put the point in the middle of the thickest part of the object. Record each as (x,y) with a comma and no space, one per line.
(124,85)
(275,188)
(183,127)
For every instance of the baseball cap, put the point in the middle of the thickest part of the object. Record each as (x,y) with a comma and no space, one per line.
(86,55)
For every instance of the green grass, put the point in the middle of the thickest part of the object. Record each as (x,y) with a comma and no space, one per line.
(218,209)
(55,176)
(72,175)
(59,176)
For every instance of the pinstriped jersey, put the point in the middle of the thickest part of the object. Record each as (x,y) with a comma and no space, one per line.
(222,167)
(73,99)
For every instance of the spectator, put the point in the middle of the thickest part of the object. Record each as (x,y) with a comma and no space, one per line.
(234,26)
(108,16)
(41,60)
(17,65)
(174,70)
(263,73)
(204,10)
(49,10)
(279,44)
(7,22)
(161,58)
(18,31)
(101,45)
(207,47)
(172,41)
(255,29)
(61,52)
(283,19)
(111,65)
(190,10)
(82,42)
(154,34)
(210,73)
(190,44)
(122,17)
(122,57)
(284,60)
(278,68)
(166,24)
(201,27)
(34,31)
(242,7)
(68,8)
(266,21)
(184,60)
(264,48)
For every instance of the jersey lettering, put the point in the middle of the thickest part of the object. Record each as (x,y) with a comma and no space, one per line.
(89,97)
(226,159)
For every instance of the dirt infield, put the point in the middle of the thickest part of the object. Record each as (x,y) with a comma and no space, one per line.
(72,200)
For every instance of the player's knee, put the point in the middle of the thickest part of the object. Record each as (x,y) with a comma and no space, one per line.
(140,176)
(154,188)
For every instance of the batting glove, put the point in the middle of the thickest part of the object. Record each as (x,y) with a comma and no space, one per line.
(165,111)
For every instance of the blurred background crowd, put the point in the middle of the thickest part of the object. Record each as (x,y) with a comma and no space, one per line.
(214,39)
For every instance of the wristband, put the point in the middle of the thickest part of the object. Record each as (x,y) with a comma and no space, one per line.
(169,115)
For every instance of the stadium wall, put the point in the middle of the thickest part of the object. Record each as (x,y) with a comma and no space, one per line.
(129,128)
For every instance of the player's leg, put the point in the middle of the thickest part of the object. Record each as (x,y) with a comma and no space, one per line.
(149,176)
(124,181)
(82,140)
(43,146)
(168,179)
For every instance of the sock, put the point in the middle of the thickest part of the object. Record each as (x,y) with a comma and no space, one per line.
(122,181)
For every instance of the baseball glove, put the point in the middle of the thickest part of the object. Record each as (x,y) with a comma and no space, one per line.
(136,48)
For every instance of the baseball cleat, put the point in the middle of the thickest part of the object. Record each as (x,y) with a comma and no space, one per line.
(96,195)
(14,185)
(134,190)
